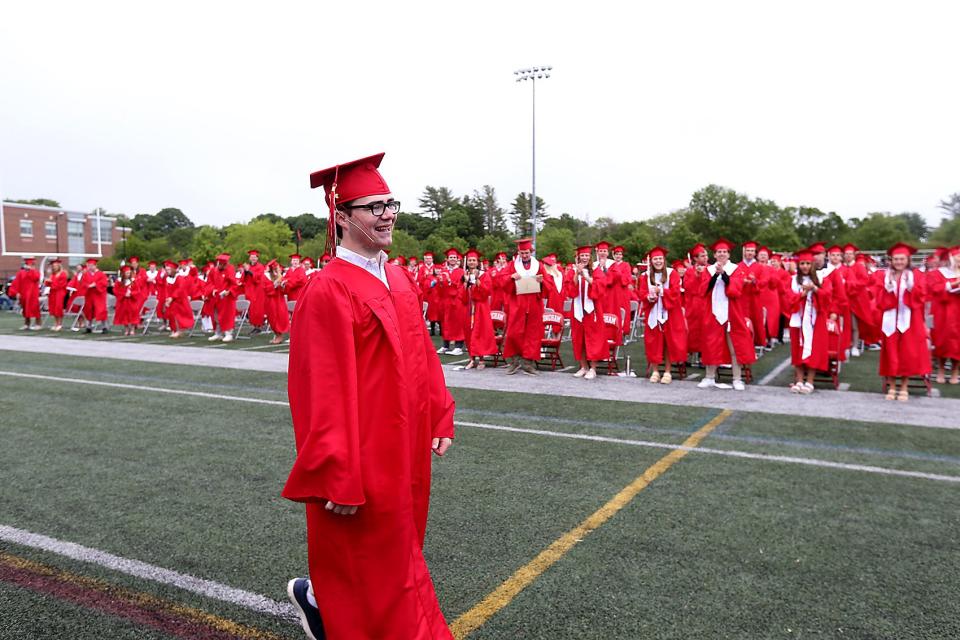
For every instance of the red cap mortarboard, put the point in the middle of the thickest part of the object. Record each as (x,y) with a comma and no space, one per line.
(619,248)
(184,263)
(126,267)
(308,260)
(901,248)
(273,263)
(850,247)
(776,256)
(294,255)
(722,243)
(253,252)
(501,254)
(472,253)
(603,244)
(326,258)
(698,249)
(678,264)
(804,255)
(223,257)
(749,244)
(401,261)
(346,182)
(452,251)
(955,251)
(524,244)
(656,251)
(152,263)
(132,258)
(56,261)
(91,261)
(764,248)
(170,263)
(835,249)
(584,249)
(550,259)
(817,247)
(29,260)
(428,254)
(941,252)
(412,259)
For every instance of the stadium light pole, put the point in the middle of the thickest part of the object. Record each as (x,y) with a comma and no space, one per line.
(533,74)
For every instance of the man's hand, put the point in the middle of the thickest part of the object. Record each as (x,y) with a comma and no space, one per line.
(440,445)
(516,276)
(341,509)
(539,278)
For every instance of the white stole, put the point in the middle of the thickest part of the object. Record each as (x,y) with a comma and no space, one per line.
(658,312)
(526,273)
(808,319)
(948,275)
(897,318)
(582,305)
(718,299)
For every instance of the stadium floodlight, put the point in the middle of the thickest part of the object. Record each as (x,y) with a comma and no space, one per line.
(533,74)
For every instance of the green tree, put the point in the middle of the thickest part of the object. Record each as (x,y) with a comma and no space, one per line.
(271,239)
(314,247)
(436,200)
(494,217)
(948,233)
(813,225)
(160,224)
(780,233)
(404,244)
(566,221)
(41,202)
(420,227)
(716,211)
(438,244)
(916,224)
(557,240)
(157,249)
(490,245)
(880,231)
(310,226)
(206,244)
(951,205)
(455,222)
(520,214)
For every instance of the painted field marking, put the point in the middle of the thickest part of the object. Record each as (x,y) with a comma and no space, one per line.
(813,462)
(145,571)
(773,373)
(141,608)
(527,574)
(261,346)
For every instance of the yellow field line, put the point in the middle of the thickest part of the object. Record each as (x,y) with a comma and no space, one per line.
(142,599)
(525,575)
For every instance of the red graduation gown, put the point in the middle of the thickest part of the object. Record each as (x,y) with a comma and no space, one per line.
(695,287)
(27,284)
(127,310)
(450,285)
(253,291)
(275,306)
(715,350)
(58,293)
(673,332)
(179,313)
(293,281)
(481,340)
(367,395)
(905,353)
(754,282)
(524,316)
(589,335)
(796,302)
(94,287)
(619,278)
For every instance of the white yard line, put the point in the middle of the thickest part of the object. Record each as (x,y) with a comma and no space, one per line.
(138,569)
(773,373)
(262,346)
(813,462)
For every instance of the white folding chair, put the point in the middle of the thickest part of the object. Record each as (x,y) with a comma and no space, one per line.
(567,329)
(79,303)
(243,307)
(636,327)
(148,313)
(197,307)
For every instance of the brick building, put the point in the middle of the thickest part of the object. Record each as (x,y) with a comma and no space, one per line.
(46,231)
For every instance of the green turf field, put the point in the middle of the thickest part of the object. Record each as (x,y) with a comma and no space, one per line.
(717,546)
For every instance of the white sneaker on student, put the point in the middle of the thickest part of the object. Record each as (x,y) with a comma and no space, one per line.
(738,385)
(442,350)
(706,383)
(456,352)
(855,352)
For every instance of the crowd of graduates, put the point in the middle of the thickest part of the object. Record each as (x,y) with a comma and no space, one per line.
(830,300)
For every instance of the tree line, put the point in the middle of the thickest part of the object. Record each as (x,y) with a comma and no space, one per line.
(478,220)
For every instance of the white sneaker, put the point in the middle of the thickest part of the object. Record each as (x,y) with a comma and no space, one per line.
(215,337)
(75,329)
(590,375)
(855,352)
(455,352)
(655,376)
(721,385)
(738,385)
(580,373)
(34,327)
(442,350)
(228,337)
(706,383)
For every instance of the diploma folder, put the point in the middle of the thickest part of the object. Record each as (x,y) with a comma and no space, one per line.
(527,285)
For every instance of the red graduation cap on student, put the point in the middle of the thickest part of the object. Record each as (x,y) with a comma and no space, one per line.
(501,254)
(453,251)
(817,247)
(619,248)
(678,264)
(749,244)
(955,251)
(721,244)
(253,252)
(804,255)
(152,263)
(901,249)
(133,259)
(941,253)
(698,249)
(550,259)
(348,181)
(472,253)
(170,264)
(56,261)
(657,251)
(585,249)
(524,244)
(91,262)
(223,257)
(428,254)
(603,244)
(294,255)
(400,260)
(308,261)
(29,260)
(850,247)
(764,248)
(835,249)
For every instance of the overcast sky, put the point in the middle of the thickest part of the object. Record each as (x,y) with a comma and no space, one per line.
(223,109)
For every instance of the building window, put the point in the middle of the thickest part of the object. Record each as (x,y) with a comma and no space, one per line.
(106,231)
(50,228)
(75,229)
(26,228)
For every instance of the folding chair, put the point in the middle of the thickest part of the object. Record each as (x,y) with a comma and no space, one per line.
(636,326)
(550,344)
(78,304)
(243,307)
(832,374)
(499,320)
(44,311)
(197,307)
(291,305)
(614,338)
(567,329)
(148,313)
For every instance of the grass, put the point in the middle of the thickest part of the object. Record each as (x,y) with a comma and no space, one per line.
(717,547)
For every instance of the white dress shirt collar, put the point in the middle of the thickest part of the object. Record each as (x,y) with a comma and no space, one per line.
(374,266)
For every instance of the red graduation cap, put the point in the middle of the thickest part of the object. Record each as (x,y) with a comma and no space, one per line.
(133,259)
(850,247)
(619,248)
(56,261)
(804,255)
(253,252)
(346,182)
(294,255)
(472,253)
(126,267)
(550,259)
(776,256)
(698,249)
(428,254)
(223,257)
(184,262)
(29,260)
(835,249)
(308,260)
(501,254)
(656,251)
(152,263)
(941,253)
(273,263)
(901,249)
(453,251)
(325,258)
(603,244)
(749,244)
(955,251)
(91,262)
(401,261)
(170,263)
(817,247)
(764,248)
(678,264)
(412,259)
(524,244)
(587,249)
(722,243)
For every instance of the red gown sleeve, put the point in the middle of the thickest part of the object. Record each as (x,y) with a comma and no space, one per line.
(324,408)
(671,295)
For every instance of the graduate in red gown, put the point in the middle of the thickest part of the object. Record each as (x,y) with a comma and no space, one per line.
(481,340)
(665,336)
(94,288)
(587,288)
(754,282)
(224,289)
(944,292)
(126,290)
(807,300)
(695,282)
(726,337)
(57,281)
(768,296)
(176,289)
(294,278)
(428,281)
(901,300)
(863,324)
(369,404)
(553,283)
(253,290)
(524,334)
(451,291)
(619,278)
(497,297)
(275,304)
(26,289)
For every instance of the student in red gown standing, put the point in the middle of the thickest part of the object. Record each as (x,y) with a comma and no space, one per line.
(807,301)
(26,289)
(94,288)
(369,404)
(586,286)
(126,290)
(275,304)
(451,291)
(253,290)
(57,281)
(944,292)
(695,282)
(478,326)
(665,336)
(521,343)
(903,347)
(177,299)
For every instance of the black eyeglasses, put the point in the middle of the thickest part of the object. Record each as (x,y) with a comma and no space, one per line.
(378,208)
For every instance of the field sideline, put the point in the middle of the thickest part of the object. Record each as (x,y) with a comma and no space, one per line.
(779,527)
